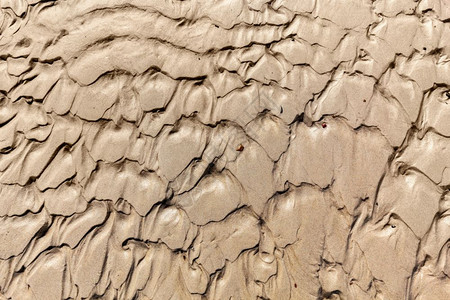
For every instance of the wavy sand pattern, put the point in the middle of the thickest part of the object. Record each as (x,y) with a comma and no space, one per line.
(225,149)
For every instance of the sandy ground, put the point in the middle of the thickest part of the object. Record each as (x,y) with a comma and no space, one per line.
(225,149)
